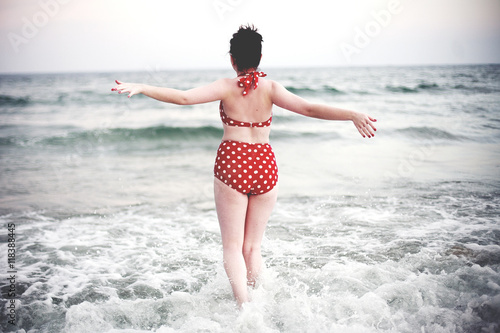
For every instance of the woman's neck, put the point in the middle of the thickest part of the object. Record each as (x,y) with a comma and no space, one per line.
(246,71)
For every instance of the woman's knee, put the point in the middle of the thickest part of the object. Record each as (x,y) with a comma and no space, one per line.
(250,250)
(232,247)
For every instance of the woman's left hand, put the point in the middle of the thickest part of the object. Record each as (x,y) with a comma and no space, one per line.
(364,124)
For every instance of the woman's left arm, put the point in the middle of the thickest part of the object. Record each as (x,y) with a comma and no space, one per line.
(287,100)
(212,92)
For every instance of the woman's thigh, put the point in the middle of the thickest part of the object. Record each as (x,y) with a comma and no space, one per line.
(231,208)
(258,213)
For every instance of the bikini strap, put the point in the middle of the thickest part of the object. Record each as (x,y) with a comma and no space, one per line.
(236,123)
(249,80)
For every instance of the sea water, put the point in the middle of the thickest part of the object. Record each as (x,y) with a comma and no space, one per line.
(110,205)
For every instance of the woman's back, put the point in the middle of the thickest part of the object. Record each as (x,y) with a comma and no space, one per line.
(254,107)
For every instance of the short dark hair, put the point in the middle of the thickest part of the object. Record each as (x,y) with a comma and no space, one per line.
(246,47)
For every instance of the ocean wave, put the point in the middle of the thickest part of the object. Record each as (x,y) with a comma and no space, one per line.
(476,89)
(6,100)
(428,86)
(424,86)
(144,137)
(400,89)
(117,135)
(147,133)
(289,135)
(9,141)
(312,91)
(429,133)
(434,87)
(62,99)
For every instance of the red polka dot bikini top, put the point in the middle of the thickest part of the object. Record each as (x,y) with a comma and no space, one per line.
(246,82)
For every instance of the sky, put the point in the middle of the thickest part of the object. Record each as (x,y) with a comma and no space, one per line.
(123,35)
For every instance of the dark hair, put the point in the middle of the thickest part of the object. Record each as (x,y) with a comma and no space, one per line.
(246,47)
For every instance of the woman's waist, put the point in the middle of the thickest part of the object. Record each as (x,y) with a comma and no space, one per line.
(245,143)
(249,139)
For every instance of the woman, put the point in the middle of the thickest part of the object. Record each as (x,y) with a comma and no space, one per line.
(245,171)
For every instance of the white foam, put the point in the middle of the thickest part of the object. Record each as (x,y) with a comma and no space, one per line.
(349,264)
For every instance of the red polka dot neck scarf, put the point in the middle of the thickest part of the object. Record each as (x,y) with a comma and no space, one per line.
(249,80)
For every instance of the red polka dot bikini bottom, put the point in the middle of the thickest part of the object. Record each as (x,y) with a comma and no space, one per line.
(249,168)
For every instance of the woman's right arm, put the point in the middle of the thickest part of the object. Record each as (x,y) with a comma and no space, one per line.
(209,93)
(286,100)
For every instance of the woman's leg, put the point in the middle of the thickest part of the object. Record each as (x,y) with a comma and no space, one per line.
(232,210)
(258,213)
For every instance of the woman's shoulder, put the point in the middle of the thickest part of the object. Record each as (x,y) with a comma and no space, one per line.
(271,85)
(225,81)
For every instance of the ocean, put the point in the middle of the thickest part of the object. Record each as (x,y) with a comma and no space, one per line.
(109,225)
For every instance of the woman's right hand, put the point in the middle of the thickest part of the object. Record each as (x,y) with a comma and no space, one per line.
(130,88)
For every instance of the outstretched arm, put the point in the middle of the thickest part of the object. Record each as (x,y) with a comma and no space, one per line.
(286,100)
(209,93)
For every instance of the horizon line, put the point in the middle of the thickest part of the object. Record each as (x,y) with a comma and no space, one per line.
(207,69)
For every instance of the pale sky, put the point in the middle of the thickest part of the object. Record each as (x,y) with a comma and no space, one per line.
(117,35)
